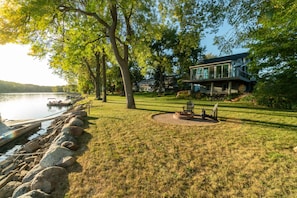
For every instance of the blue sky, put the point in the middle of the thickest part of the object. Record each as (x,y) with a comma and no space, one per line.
(209,39)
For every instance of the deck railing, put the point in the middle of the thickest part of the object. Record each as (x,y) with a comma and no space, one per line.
(238,73)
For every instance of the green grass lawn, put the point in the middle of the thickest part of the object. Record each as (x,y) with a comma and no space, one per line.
(124,153)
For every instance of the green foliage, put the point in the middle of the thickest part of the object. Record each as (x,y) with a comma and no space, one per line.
(171,55)
(274,54)
(135,72)
(268,29)
(278,90)
(72,31)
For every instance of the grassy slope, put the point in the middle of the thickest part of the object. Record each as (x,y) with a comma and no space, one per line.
(249,154)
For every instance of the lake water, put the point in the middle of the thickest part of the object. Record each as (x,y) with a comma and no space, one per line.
(27,106)
(24,106)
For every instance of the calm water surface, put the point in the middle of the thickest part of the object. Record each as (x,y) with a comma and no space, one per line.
(24,106)
(27,106)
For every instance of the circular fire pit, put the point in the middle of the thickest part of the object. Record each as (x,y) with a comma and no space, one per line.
(183,115)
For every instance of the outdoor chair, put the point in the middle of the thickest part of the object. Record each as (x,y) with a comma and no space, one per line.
(189,108)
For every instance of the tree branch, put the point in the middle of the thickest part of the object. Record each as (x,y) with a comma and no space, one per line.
(64,8)
(99,38)
(92,75)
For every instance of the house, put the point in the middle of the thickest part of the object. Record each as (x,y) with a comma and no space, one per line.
(222,75)
(146,85)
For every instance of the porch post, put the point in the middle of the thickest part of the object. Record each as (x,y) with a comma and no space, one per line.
(229,87)
(211,88)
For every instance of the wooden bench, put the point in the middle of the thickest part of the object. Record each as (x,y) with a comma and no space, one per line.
(214,113)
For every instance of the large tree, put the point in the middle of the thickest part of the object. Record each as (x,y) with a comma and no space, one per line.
(170,55)
(268,29)
(274,53)
(127,25)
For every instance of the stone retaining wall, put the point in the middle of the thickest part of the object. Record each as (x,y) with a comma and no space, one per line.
(38,168)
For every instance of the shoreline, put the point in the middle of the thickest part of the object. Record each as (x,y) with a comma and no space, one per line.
(33,155)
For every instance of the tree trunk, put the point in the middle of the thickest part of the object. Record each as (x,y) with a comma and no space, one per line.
(123,61)
(97,77)
(104,77)
(128,87)
(94,77)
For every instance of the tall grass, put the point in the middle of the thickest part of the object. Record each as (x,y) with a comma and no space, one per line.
(124,153)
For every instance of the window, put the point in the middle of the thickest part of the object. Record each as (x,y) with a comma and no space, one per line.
(219,71)
(205,73)
(198,73)
(211,72)
(225,71)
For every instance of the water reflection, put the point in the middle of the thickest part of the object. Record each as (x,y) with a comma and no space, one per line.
(26,106)
(23,106)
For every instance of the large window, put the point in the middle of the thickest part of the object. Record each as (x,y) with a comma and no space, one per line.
(198,73)
(205,73)
(225,71)
(211,72)
(219,71)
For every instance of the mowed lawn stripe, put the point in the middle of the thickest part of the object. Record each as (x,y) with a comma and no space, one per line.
(127,154)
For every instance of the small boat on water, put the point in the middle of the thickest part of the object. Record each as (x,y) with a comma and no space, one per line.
(8,134)
(59,103)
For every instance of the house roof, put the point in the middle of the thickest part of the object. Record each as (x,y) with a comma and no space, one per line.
(224,58)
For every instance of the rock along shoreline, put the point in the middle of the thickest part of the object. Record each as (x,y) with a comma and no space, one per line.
(39,168)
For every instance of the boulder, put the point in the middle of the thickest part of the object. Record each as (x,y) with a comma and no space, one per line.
(35,194)
(70,145)
(80,117)
(49,179)
(54,155)
(7,190)
(78,108)
(76,122)
(66,161)
(31,146)
(75,131)
(31,174)
(63,137)
(21,189)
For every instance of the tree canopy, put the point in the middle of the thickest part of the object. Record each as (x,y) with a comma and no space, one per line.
(268,29)
(124,27)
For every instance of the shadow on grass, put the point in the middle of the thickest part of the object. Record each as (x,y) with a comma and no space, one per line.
(90,119)
(156,110)
(260,123)
(264,112)
(83,141)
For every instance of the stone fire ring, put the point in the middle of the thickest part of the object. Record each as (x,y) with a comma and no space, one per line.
(168,118)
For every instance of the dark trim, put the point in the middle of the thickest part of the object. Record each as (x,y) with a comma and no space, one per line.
(224,58)
(218,80)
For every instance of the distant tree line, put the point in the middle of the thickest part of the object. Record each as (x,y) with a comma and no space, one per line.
(12,87)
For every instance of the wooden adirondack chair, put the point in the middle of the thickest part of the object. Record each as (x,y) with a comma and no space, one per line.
(214,113)
(189,108)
